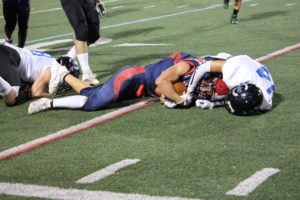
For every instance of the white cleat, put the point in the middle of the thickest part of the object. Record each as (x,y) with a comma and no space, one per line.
(39,105)
(58,73)
(90,78)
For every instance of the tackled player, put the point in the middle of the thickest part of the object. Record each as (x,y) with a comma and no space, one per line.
(235,75)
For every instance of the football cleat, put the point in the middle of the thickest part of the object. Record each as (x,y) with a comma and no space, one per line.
(10,41)
(226,4)
(39,105)
(90,78)
(58,73)
(233,19)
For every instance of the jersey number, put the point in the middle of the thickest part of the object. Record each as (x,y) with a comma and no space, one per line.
(264,73)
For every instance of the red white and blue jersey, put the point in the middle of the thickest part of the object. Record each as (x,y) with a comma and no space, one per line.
(153,71)
(134,81)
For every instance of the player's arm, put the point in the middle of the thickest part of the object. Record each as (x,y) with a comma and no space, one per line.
(210,66)
(165,81)
(39,86)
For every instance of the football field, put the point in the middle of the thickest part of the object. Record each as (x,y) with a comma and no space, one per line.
(140,150)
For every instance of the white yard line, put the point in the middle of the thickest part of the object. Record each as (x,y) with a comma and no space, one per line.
(107,171)
(26,190)
(251,183)
(40,11)
(140,44)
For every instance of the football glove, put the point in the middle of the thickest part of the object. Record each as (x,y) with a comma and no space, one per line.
(169,103)
(204,104)
(187,99)
(101,9)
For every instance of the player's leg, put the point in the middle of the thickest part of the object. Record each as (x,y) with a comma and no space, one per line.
(70,102)
(225,4)
(236,9)
(10,81)
(23,18)
(10,9)
(77,19)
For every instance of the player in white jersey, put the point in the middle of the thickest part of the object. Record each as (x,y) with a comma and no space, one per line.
(250,83)
(20,68)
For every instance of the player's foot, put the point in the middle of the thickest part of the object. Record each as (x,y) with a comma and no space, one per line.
(58,73)
(10,41)
(226,4)
(233,19)
(90,78)
(39,105)
(101,10)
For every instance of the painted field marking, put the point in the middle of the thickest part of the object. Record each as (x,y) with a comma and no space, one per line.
(38,46)
(278,53)
(52,9)
(107,171)
(74,129)
(137,21)
(140,44)
(251,183)
(27,190)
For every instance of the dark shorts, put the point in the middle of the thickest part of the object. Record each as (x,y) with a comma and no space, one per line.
(16,11)
(84,19)
(9,62)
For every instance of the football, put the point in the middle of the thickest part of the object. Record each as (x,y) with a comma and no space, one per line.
(179,87)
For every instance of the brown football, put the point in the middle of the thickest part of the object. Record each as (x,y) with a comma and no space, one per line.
(178,86)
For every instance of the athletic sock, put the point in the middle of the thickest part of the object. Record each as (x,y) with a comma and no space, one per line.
(71,102)
(235,11)
(84,62)
(72,53)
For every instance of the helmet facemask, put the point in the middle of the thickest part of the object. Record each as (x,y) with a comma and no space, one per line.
(211,88)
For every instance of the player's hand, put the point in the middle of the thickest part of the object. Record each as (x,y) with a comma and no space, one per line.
(186,99)
(204,104)
(169,103)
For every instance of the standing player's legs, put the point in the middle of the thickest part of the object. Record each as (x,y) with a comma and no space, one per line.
(10,10)
(78,20)
(236,9)
(23,18)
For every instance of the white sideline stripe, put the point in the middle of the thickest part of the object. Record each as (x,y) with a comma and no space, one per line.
(136,21)
(53,9)
(107,171)
(278,53)
(248,185)
(73,129)
(40,11)
(139,44)
(27,190)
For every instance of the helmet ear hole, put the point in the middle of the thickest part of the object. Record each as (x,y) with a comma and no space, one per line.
(244,99)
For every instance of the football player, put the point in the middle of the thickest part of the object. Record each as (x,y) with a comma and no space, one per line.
(236,9)
(239,82)
(251,87)
(16,11)
(129,82)
(27,74)
(84,20)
